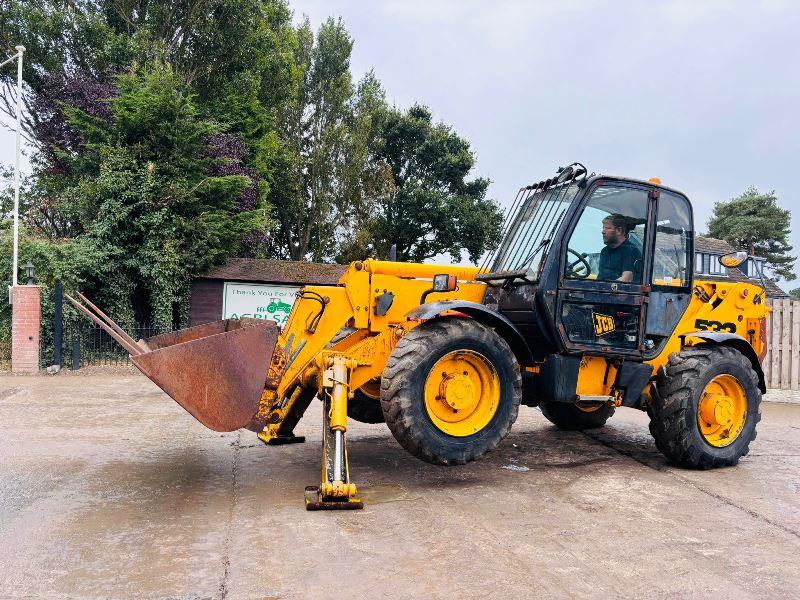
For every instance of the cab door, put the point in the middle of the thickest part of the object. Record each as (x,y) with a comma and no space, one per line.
(605,262)
(671,280)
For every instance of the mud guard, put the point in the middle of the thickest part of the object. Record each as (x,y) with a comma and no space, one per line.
(507,330)
(723,338)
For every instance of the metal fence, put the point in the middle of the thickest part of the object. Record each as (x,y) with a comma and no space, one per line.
(85,343)
(782,362)
(70,341)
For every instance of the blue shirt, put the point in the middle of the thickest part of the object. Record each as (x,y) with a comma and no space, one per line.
(615,261)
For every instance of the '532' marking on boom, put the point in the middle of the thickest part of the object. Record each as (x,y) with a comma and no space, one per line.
(707,325)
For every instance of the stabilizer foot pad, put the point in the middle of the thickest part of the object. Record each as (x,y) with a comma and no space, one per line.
(286,439)
(315,501)
(282,439)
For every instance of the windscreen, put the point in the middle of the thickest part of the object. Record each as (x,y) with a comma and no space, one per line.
(527,238)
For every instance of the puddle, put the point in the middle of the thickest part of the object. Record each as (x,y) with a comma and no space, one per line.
(390,492)
(5,394)
(517,468)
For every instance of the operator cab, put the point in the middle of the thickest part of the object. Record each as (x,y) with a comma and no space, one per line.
(594,264)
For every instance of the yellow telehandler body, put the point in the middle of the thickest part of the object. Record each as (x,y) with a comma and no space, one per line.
(446,354)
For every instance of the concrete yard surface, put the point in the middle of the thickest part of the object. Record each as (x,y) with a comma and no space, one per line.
(108,489)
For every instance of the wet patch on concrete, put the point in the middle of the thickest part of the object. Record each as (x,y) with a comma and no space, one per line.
(109,489)
(7,393)
(390,492)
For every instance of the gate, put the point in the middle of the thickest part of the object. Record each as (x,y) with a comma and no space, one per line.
(782,363)
(77,342)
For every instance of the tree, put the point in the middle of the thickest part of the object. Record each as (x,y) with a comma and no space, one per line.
(754,222)
(171,135)
(216,45)
(316,133)
(366,180)
(431,207)
(150,188)
(795,293)
(154,128)
(61,37)
(328,138)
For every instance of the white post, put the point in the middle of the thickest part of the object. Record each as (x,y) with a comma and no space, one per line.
(20,53)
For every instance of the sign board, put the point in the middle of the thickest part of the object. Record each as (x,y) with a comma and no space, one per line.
(258,300)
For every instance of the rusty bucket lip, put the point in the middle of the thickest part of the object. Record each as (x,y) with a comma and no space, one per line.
(221,380)
(245,322)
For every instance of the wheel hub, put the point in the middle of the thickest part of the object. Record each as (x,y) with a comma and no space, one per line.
(722,410)
(458,392)
(462,393)
(716,409)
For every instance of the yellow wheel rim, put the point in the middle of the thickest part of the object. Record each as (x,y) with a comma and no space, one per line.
(722,410)
(589,407)
(372,389)
(462,393)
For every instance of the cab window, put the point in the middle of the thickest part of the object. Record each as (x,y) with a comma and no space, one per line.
(607,242)
(674,235)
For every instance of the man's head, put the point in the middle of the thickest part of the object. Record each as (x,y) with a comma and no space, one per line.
(615,230)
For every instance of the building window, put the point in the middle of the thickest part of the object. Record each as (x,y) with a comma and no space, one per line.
(754,267)
(715,268)
(708,264)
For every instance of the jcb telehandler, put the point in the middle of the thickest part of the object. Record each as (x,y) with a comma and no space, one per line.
(588,304)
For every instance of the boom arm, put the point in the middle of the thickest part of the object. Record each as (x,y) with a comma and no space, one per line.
(336,340)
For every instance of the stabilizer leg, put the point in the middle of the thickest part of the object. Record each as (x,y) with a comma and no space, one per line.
(335,492)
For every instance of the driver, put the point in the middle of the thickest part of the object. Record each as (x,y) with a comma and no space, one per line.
(618,258)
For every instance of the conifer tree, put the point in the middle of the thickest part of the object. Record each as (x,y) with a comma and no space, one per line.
(754,222)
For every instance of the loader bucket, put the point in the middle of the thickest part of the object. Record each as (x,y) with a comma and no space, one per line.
(216,371)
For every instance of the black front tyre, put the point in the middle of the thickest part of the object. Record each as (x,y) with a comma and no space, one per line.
(450,391)
(707,407)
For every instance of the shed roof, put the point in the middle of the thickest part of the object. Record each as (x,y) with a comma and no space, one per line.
(773,289)
(276,271)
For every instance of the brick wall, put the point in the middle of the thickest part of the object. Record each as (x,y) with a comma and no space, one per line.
(25,321)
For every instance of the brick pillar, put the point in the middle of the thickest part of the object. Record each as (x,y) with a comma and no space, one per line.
(26,318)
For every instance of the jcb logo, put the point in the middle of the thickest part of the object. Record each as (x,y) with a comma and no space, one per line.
(603,324)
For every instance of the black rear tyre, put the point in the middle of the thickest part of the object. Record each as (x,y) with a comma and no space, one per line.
(415,366)
(364,408)
(571,417)
(677,422)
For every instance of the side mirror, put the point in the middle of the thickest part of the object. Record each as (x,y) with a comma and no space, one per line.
(734,259)
(444,283)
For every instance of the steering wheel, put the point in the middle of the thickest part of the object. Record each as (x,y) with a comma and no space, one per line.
(579,268)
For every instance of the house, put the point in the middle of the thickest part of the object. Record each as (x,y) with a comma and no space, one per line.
(707,267)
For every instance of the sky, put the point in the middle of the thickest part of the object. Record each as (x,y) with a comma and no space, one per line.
(704,95)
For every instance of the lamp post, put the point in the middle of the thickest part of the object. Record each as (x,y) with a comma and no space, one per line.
(29,273)
(18,56)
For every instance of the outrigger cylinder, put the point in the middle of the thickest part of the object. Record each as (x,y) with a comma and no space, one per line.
(336,492)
